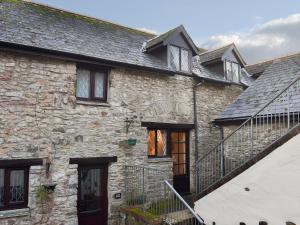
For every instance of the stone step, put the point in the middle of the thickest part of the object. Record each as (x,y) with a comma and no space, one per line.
(183,217)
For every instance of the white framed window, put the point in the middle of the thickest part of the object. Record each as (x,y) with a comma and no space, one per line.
(174,58)
(232,71)
(91,84)
(179,59)
(185,65)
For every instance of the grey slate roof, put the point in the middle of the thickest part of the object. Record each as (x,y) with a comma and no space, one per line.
(159,38)
(257,69)
(214,54)
(40,26)
(246,78)
(163,38)
(274,79)
(35,25)
(205,73)
(217,54)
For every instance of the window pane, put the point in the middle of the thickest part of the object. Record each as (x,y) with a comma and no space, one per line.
(174,57)
(174,137)
(174,146)
(83,83)
(99,85)
(151,143)
(235,72)
(1,186)
(181,137)
(181,148)
(185,60)
(228,70)
(161,143)
(90,189)
(16,186)
(182,158)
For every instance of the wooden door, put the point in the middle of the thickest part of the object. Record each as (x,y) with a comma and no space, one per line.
(180,155)
(92,195)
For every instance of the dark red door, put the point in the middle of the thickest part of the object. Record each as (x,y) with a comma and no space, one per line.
(180,155)
(92,195)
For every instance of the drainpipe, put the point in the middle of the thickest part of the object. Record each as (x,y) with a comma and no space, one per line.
(196,131)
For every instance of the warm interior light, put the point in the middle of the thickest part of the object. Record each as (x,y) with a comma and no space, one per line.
(161,143)
(151,142)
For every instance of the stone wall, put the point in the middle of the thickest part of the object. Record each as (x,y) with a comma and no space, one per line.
(212,98)
(40,117)
(247,142)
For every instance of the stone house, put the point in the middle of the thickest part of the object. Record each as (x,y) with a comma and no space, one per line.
(82,98)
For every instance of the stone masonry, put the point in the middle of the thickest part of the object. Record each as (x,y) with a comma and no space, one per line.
(212,99)
(40,117)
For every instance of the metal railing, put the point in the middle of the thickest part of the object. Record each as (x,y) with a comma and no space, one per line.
(269,123)
(176,210)
(150,190)
(144,185)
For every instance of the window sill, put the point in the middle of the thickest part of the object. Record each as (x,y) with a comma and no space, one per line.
(159,160)
(14,213)
(91,103)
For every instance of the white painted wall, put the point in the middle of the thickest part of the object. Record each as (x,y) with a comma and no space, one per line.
(274,195)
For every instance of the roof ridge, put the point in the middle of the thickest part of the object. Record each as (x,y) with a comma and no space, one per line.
(80,15)
(212,50)
(276,58)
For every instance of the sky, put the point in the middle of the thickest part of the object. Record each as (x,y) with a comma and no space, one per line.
(261,29)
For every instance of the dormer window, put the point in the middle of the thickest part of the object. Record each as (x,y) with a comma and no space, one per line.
(232,71)
(179,58)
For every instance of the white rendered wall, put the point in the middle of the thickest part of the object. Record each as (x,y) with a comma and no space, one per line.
(274,195)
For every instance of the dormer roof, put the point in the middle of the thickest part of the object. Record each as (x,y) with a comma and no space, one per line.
(217,54)
(164,39)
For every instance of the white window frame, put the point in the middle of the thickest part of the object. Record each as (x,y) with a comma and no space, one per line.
(180,67)
(230,77)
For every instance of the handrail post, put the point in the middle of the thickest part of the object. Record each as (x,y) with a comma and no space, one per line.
(222,160)
(288,101)
(251,136)
(143,191)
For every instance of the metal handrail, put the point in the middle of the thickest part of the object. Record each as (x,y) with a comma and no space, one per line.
(249,119)
(161,199)
(199,219)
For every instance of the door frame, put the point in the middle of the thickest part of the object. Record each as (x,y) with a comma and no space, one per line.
(187,155)
(103,185)
(94,162)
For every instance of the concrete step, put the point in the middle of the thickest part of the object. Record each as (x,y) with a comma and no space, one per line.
(183,217)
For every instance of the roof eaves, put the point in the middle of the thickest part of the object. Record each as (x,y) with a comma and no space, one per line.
(237,52)
(231,119)
(212,61)
(76,57)
(212,79)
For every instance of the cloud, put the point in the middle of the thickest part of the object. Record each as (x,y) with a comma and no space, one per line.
(148,30)
(268,40)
